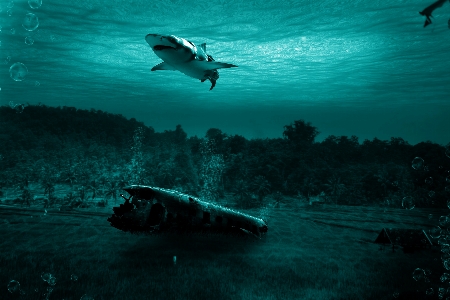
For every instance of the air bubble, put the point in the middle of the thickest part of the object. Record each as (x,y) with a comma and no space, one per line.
(418,274)
(14,287)
(417,163)
(35,4)
(18,71)
(73,277)
(30,22)
(435,232)
(408,203)
(29,40)
(49,278)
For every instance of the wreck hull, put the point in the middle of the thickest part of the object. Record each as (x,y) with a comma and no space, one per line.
(154,210)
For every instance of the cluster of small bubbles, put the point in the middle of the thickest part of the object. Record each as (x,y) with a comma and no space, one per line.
(429,180)
(30,22)
(211,171)
(441,293)
(443,220)
(9,12)
(10,4)
(18,71)
(73,277)
(29,40)
(417,163)
(408,202)
(86,297)
(13,286)
(429,291)
(49,278)
(418,274)
(35,4)
(445,277)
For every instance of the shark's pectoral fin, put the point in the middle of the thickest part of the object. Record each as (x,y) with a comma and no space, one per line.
(212,65)
(163,66)
(213,83)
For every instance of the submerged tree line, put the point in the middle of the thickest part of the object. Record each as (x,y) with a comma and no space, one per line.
(97,154)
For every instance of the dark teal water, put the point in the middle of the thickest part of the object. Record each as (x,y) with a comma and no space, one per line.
(364,68)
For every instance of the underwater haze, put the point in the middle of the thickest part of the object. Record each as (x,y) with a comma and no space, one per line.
(364,68)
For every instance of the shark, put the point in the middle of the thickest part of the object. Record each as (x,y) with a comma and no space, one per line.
(179,54)
(429,9)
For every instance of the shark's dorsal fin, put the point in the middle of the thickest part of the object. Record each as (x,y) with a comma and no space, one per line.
(203,46)
(163,66)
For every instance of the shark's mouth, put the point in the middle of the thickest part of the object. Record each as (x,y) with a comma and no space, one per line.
(162,47)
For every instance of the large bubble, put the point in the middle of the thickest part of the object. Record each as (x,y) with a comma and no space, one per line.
(14,286)
(417,163)
(35,4)
(418,274)
(30,22)
(18,71)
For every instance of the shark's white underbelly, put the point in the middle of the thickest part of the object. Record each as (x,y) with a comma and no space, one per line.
(193,69)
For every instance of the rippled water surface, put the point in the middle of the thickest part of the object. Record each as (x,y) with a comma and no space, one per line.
(364,68)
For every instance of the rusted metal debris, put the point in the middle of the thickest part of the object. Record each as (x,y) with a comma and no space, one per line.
(154,210)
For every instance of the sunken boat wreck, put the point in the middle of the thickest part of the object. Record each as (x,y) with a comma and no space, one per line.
(154,210)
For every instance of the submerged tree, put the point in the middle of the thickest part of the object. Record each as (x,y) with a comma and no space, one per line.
(111,191)
(335,187)
(241,190)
